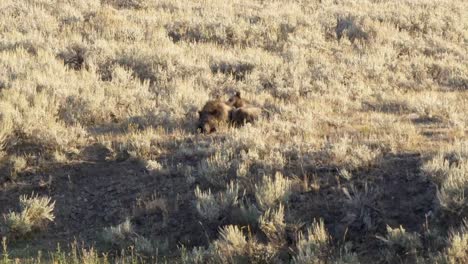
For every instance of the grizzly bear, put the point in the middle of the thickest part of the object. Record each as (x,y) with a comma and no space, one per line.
(213,114)
(234,112)
(242,111)
(242,115)
(237,101)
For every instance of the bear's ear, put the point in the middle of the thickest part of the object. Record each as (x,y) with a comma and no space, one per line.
(238,94)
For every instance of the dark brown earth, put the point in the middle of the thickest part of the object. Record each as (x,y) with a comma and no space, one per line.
(95,192)
(392,193)
(92,194)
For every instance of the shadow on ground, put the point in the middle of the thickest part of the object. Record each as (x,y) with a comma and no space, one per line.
(186,124)
(391,193)
(97,192)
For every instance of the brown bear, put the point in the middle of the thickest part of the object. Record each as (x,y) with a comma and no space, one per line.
(242,111)
(242,115)
(237,101)
(213,114)
(234,112)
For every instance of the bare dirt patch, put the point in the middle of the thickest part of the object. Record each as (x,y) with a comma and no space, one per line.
(391,193)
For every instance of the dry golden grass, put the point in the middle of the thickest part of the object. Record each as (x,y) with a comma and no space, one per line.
(367,107)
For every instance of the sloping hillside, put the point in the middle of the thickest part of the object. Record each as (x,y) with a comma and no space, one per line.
(363,156)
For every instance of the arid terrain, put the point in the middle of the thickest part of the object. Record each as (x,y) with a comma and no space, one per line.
(362,156)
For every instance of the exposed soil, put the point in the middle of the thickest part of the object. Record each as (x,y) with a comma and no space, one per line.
(95,193)
(393,193)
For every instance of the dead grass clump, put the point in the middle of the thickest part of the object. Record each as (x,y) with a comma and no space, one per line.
(137,144)
(248,213)
(273,226)
(35,213)
(28,45)
(192,32)
(132,4)
(118,234)
(74,57)
(238,70)
(233,246)
(344,153)
(15,165)
(358,209)
(19,16)
(435,106)
(456,250)
(77,111)
(423,18)
(142,68)
(401,245)
(272,190)
(211,206)
(123,237)
(315,247)
(272,35)
(106,21)
(447,73)
(92,107)
(6,127)
(29,116)
(449,169)
(232,243)
(157,67)
(349,27)
(215,169)
(386,106)
(451,195)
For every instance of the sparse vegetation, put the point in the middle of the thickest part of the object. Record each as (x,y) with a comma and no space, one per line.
(212,207)
(124,237)
(365,128)
(272,190)
(401,245)
(456,249)
(35,213)
(315,246)
(449,170)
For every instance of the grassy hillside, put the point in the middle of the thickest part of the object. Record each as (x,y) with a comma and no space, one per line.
(362,159)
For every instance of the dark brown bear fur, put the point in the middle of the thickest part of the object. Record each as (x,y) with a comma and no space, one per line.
(237,101)
(242,115)
(235,112)
(213,114)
